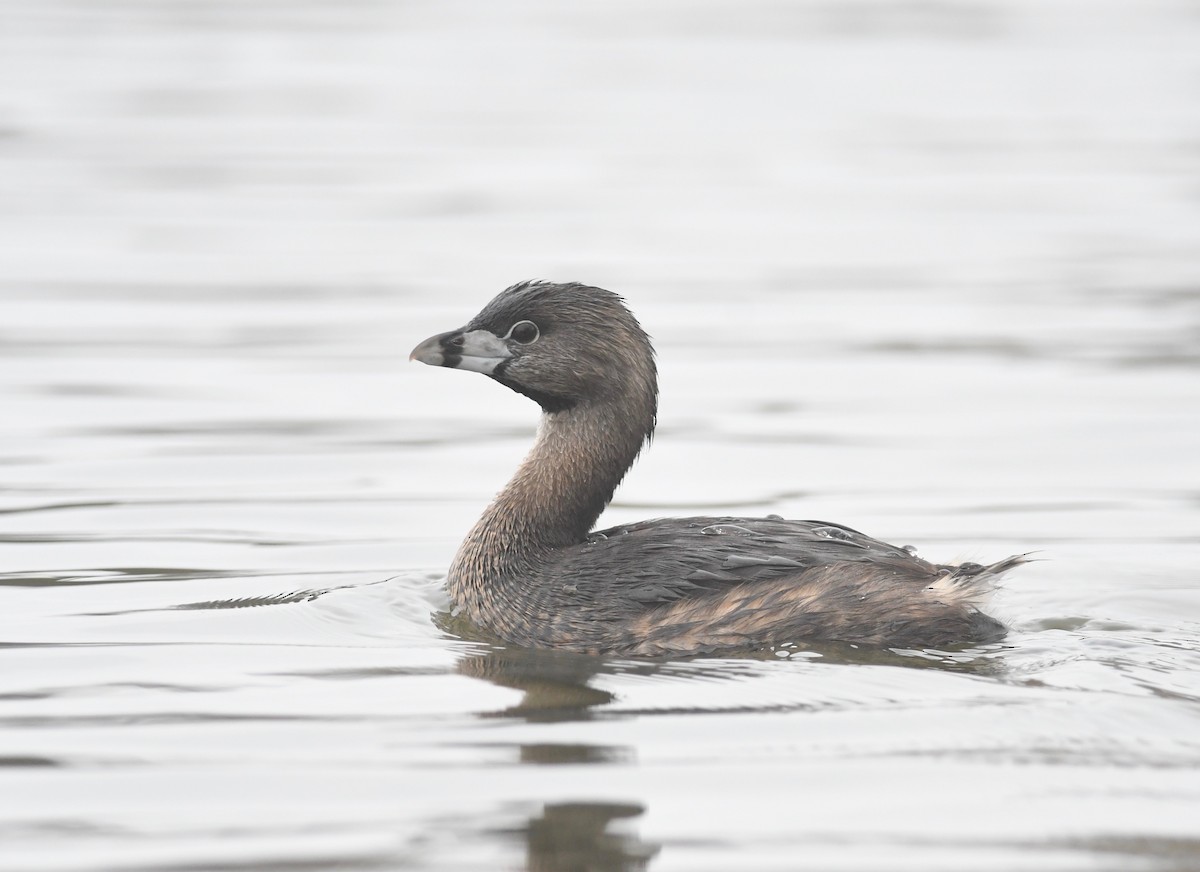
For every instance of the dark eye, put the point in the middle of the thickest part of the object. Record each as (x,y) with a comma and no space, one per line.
(524,332)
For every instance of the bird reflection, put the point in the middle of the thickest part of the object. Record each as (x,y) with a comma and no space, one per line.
(556,686)
(554,683)
(576,837)
(568,836)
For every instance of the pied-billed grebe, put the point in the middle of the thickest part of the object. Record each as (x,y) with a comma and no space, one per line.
(532,571)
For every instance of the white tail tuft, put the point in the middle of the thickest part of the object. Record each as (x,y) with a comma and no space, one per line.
(969,583)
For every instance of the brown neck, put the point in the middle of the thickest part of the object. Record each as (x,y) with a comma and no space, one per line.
(557,494)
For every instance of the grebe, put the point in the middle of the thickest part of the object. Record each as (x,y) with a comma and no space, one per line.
(533,572)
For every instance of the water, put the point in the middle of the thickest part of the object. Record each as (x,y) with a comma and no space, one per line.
(930,270)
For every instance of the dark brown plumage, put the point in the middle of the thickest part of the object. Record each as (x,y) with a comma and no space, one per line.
(532,572)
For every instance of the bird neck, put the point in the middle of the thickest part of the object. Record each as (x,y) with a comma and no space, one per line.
(578,459)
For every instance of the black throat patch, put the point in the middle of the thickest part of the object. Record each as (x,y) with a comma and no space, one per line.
(550,403)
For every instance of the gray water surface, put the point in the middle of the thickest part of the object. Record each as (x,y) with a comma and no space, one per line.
(931,270)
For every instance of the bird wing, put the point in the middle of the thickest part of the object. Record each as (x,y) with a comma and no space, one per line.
(660,561)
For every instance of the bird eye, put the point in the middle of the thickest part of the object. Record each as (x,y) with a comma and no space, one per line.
(524,332)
